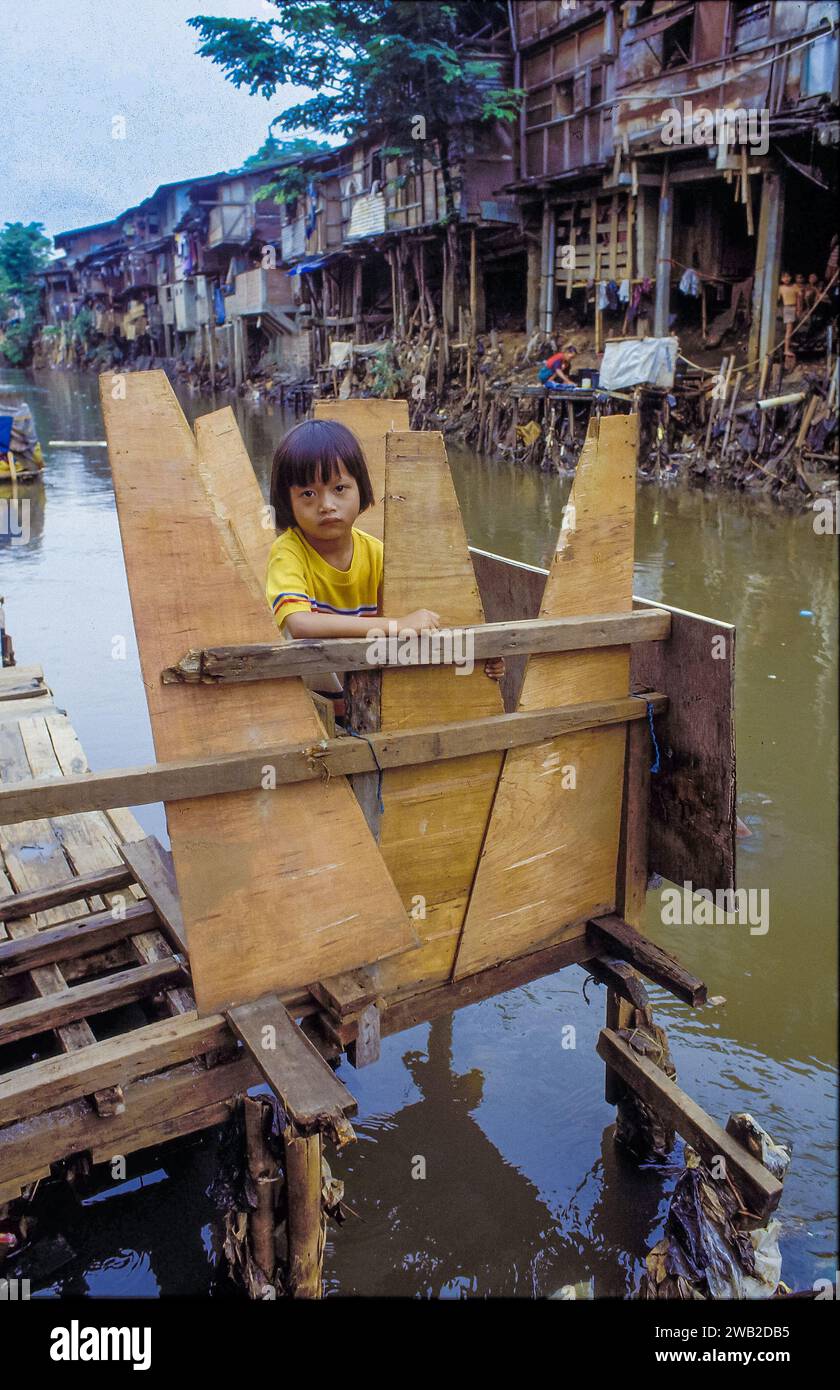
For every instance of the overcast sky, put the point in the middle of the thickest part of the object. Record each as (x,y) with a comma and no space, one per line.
(71,66)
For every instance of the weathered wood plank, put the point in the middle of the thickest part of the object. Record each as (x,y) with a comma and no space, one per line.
(151,865)
(178,1092)
(346,994)
(91,843)
(759,1187)
(79,936)
(28,872)
(57,1080)
(693,808)
(265,904)
(549,856)
(308,657)
(309,1091)
(615,937)
(83,1001)
(55,895)
(311,761)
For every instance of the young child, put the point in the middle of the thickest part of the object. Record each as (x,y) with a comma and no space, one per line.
(790,296)
(325,576)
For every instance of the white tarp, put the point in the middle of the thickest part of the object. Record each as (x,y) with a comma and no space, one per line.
(639,362)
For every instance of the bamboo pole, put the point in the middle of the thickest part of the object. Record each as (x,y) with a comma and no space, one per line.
(262,1170)
(305,1219)
(473,303)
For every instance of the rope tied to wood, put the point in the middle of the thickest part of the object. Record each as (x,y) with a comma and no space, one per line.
(654,767)
(379,802)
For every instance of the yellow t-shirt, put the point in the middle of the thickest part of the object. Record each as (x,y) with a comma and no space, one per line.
(299,580)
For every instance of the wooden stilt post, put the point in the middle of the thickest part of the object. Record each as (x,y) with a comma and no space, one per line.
(305,1221)
(211,351)
(663,255)
(263,1172)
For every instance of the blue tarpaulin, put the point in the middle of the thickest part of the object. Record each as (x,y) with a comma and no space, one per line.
(303,266)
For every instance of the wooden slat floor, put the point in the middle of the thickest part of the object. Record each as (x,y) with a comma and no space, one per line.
(38,740)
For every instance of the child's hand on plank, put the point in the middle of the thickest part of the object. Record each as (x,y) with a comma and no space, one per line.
(420,620)
(494,667)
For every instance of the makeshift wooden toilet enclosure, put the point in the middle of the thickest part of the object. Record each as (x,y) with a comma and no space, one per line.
(479,859)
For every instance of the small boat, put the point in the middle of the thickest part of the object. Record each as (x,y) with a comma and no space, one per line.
(21,458)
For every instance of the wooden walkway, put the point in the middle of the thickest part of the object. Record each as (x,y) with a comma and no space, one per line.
(103,1006)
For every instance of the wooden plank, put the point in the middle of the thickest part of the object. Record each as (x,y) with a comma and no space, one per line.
(761,1190)
(370,420)
(436,815)
(308,657)
(252,923)
(189,777)
(79,936)
(693,810)
(92,842)
(692,807)
(82,1001)
(57,1080)
(308,1089)
(28,871)
(429,1003)
(27,904)
(346,994)
(552,843)
(612,935)
(152,867)
(621,979)
(366,1046)
(632,870)
(176,1093)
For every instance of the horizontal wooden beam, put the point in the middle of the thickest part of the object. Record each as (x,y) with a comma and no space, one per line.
(308,657)
(613,936)
(83,1001)
(78,937)
(232,772)
(759,1189)
(68,891)
(57,1080)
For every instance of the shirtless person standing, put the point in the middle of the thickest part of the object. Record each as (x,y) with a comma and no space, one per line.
(790,296)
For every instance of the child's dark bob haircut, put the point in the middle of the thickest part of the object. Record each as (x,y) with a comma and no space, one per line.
(309,453)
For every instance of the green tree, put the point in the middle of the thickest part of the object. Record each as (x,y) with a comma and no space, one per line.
(288,182)
(412,72)
(24,254)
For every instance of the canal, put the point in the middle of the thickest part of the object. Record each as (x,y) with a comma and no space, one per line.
(523,1189)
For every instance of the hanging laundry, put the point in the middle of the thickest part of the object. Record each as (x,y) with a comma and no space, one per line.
(218,305)
(612,294)
(624,292)
(690,283)
(603,302)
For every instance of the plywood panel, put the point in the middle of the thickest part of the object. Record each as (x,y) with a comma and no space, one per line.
(692,807)
(277,887)
(436,815)
(693,819)
(369,420)
(549,858)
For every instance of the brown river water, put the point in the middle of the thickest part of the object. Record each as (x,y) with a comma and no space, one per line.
(524,1190)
